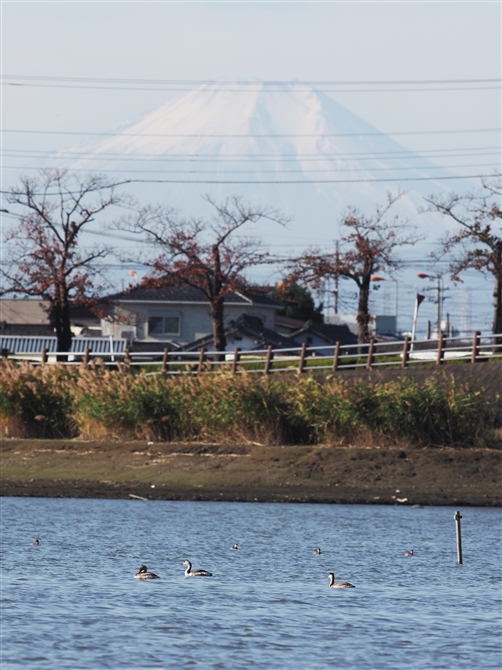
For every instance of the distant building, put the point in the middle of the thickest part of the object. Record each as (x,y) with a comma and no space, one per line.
(380,324)
(324,334)
(30,317)
(247,333)
(177,314)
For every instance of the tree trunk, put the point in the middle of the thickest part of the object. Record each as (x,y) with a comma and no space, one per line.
(363,316)
(220,341)
(59,317)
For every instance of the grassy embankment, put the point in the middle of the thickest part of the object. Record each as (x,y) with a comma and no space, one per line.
(101,403)
(245,437)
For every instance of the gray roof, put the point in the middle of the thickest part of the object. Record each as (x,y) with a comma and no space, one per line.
(330,332)
(252,327)
(185,293)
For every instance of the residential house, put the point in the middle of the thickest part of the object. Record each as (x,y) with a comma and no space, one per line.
(246,333)
(177,315)
(29,317)
(323,334)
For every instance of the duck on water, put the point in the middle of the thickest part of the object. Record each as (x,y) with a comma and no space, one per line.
(339,585)
(194,573)
(144,574)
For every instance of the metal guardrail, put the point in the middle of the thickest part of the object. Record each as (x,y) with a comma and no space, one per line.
(267,361)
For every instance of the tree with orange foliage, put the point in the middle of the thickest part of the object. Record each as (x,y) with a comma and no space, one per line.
(43,255)
(367,247)
(209,255)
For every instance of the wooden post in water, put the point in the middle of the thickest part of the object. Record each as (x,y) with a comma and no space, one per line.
(369,362)
(202,358)
(457,518)
(268,360)
(235,360)
(406,352)
(165,359)
(475,346)
(336,357)
(439,360)
(301,364)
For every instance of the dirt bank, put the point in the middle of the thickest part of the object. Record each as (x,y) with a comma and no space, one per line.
(431,476)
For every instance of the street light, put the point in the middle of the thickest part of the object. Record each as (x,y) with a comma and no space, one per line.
(378,278)
(439,296)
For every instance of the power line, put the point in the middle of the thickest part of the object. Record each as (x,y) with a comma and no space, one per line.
(243,158)
(188,89)
(253,135)
(276,181)
(260,172)
(80,153)
(233,82)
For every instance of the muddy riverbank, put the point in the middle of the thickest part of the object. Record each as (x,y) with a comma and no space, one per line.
(251,472)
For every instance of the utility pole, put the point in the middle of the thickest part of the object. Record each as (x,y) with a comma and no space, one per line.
(335,290)
(439,299)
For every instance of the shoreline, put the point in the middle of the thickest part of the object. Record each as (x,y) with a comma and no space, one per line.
(251,473)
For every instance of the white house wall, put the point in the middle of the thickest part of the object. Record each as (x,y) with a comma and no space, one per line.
(195,321)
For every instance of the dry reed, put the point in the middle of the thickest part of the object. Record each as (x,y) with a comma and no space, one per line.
(101,403)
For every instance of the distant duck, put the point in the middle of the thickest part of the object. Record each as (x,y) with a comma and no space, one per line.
(194,573)
(234,546)
(317,551)
(144,574)
(339,585)
(409,553)
(36,543)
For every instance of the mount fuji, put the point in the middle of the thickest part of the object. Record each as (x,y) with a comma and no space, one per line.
(296,149)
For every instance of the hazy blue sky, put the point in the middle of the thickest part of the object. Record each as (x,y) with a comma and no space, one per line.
(238,40)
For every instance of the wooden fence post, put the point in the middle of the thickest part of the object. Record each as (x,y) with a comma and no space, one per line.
(235,360)
(369,362)
(406,352)
(202,358)
(86,357)
(475,346)
(439,360)
(165,359)
(268,360)
(301,364)
(44,356)
(336,356)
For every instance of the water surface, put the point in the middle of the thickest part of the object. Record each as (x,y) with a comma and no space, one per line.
(72,602)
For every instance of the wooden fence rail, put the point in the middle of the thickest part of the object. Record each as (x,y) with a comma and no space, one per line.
(330,359)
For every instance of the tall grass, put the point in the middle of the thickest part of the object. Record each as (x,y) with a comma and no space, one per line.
(103,403)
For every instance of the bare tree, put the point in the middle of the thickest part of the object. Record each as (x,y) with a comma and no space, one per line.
(477,245)
(367,247)
(206,254)
(44,257)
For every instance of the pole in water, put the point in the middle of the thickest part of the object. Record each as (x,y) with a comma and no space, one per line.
(457,518)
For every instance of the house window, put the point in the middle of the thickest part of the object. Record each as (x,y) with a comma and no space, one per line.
(163,325)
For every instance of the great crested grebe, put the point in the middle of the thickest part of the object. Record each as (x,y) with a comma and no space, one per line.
(339,585)
(144,574)
(234,546)
(36,543)
(317,551)
(409,553)
(194,573)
